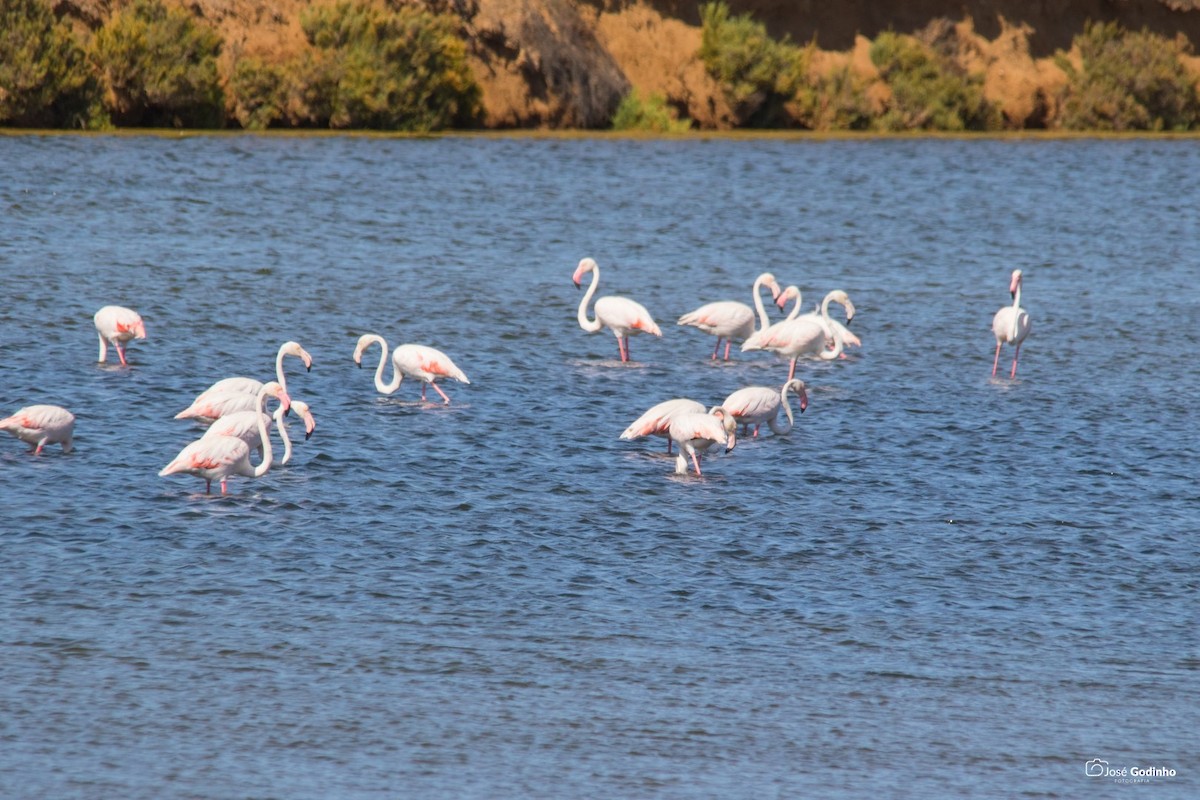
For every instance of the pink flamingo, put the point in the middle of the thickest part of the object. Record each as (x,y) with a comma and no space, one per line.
(849,339)
(695,433)
(219,457)
(42,425)
(1011,324)
(251,385)
(211,406)
(426,364)
(117,325)
(244,425)
(732,320)
(657,420)
(754,405)
(804,335)
(623,316)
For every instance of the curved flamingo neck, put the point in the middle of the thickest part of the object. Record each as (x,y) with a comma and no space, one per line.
(385,388)
(764,321)
(795,312)
(287,442)
(1016,312)
(264,434)
(773,423)
(591,326)
(279,376)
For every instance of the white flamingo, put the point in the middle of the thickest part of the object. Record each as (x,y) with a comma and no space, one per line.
(732,320)
(805,335)
(211,406)
(219,457)
(623,316)
(244,425)
(695,433)
(657,420)
(117,325)
(849,339)
(426,364)
(1011,324)
(754,405)
(252,385)
(41,425)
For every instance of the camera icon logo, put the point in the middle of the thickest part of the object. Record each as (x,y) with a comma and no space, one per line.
(1095,768)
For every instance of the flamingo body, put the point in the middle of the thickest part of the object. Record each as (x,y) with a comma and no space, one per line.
(624,317)
(117,325)
(244,426)
(41,425)
(426,364)
(1011,325)
(211,406)
(732,320)
(657,420)
(696,433)
(754,405)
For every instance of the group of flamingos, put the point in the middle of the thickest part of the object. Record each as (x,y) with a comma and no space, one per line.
(234,409)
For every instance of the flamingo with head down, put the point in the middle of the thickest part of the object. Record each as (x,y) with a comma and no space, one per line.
(754,405)
(731,320)
(623,316)
(657,420)
(1011,324)
(426,364)
(117,325)
(696,433)
(41,425)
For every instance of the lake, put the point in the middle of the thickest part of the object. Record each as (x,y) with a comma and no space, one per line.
(939,584)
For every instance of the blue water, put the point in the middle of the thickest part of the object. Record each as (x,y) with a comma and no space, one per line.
(940,584)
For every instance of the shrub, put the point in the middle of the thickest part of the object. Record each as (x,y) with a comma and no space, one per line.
(45,80)
(159,68)
(928,91)
(1128,81)
(833,101)
(376,68)
(259,91)
(649,114)
(757,74)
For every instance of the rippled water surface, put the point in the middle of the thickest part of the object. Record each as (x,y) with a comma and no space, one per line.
(938,585)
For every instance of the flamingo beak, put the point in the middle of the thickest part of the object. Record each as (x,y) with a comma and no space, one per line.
(803,401)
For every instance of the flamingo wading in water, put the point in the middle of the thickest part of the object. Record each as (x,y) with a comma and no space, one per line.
(251,386)
(42,425)
(219,457)
(695,433)
(754,405)
(117,325)
(657,420)
(427,364)
(804,335)
(1011,324)
(623,316)
(211,406)
(731,320)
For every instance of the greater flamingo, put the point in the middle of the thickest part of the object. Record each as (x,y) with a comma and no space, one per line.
(657,420)
(695,433)
(42,425)
(244,425)
(849,339)
(252,385)
(426,364)
(754,405)
(805,335)
(1011,324)
(732,320)
(211,406)
(219,457)
(623,316)
(117,325)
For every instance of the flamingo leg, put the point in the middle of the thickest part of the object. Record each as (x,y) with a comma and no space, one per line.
(422,391)
(727,343)
(996,360)
(208,485)
(670,441)
(696,461)
(438,389)
(627,357)
(716,348)
(792,370)
(222,485)
(1016,355)
(38,450)
(756,427)
(121,354)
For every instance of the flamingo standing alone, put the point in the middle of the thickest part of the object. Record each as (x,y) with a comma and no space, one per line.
(623,316)
(1011,324)
(426,364)
(805,335)
(754,405)
(657,420)
(117,325)
(42,425)
(732,320)
(219,457)
(695,433)
(244,425)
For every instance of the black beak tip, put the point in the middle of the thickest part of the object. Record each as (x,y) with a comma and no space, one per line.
(307,435)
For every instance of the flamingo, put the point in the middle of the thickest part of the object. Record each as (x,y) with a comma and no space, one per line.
(623,316)
(695,433)
(219,457)
(849,339)
(657,420)
(427,364)
(117,325)
(804,335)
(1011,324)
(211,406)
(42,425)
(251,385)
(732,320)
(244,425)
(754,405)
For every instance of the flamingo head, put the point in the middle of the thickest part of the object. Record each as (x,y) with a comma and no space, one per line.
(294,349)
(729,424)
(838,296)
(276,390)
(1015,283)
(768,280)
(585,266)
(364,341)
(302,410)
(139,329)
(787,295)
(797,387)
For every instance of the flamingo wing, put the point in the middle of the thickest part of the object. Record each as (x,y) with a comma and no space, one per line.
(725,318)
(657,420)
(752,404)
(625,316)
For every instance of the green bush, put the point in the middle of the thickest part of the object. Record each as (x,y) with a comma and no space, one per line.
(45,80)
(376,68)
(757,74)
(259,91)
(928,91)
(833,102)
(649,114)
(1128,81)
(159,68)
